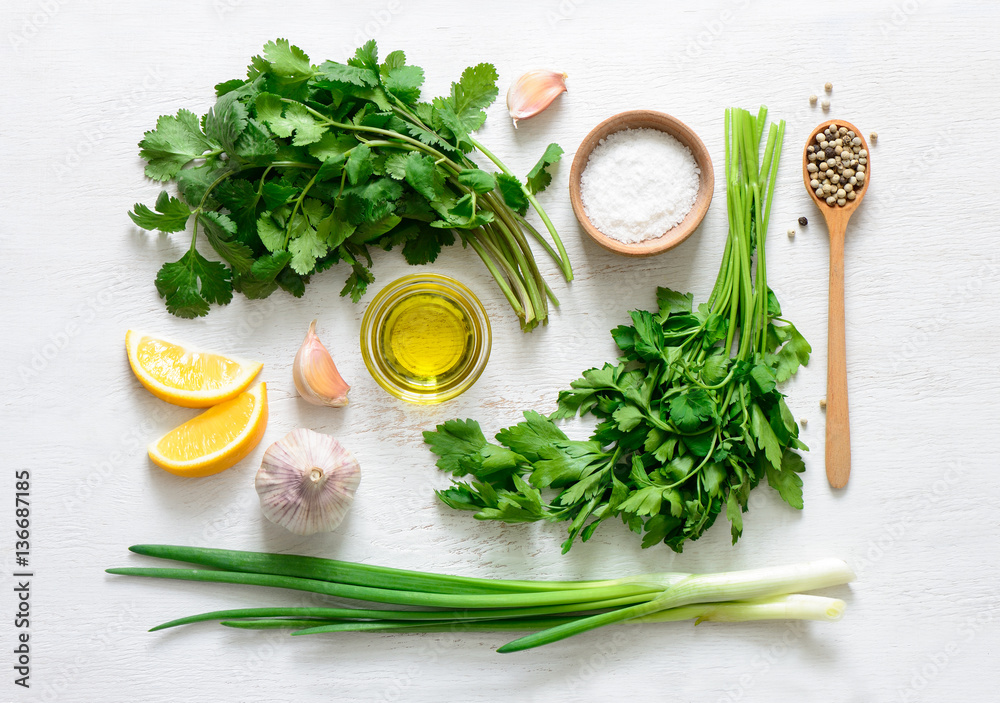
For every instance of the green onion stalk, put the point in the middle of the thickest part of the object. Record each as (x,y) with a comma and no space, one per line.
(548,610)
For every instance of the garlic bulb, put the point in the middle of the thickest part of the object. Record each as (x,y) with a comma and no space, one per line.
(316,376)
(306,482)
(533,92)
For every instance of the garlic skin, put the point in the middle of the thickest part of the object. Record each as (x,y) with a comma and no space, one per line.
(316,376)
(533,92)
(306,482)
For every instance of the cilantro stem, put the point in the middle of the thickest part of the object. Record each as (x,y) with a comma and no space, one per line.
(563,258)
(470,238)
(289,223)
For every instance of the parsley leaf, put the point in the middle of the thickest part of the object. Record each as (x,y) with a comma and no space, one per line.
(454,440)
(785,478)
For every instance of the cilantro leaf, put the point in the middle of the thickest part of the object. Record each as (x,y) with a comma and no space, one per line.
(272,236)
(226,121)
(366,56)
(480,181)
(221,233)
(424,249)
(425,178)
(539,177)
(266,268)
(334,229)
(284,119)
(254,145)
(513,192)
(193,183)
(291,282)
(191,283)
(174,143)
(359,165)
(287,60)
(305,249)
(357,282)
(475,91)
(171,214)
(448,120)
(346,75)
(332,146)
(401,80)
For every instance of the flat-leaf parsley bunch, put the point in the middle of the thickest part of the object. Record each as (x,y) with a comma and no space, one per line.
(690,419)
(299,167)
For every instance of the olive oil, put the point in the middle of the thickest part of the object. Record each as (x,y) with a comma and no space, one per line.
(425,338)
(427,341)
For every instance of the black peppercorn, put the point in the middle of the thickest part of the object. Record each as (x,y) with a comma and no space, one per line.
(803,221)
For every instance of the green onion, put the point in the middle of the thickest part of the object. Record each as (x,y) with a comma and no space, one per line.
(551,610)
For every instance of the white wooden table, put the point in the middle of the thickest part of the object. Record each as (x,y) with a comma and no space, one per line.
(919,519)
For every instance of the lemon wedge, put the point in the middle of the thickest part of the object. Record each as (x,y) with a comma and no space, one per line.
(215,440)
(174,372)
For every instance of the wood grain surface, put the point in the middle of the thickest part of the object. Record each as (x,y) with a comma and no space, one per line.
(83,79)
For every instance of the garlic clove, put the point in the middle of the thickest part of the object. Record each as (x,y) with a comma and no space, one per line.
(306,482)
(533,92)
(316,376)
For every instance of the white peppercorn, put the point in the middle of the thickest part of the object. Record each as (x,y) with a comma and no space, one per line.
(825,105)
(828,87)
(813,99)
(837,164)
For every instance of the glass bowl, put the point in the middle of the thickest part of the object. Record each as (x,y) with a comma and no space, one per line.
(425,338)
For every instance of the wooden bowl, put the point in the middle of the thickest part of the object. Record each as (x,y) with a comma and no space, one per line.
(639,119)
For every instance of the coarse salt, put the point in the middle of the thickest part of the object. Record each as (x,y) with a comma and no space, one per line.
(638,184)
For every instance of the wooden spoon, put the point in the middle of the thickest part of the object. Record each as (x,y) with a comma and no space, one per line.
(838,427)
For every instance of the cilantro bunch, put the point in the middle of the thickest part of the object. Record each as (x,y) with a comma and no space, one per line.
(690,419)
(300,167)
